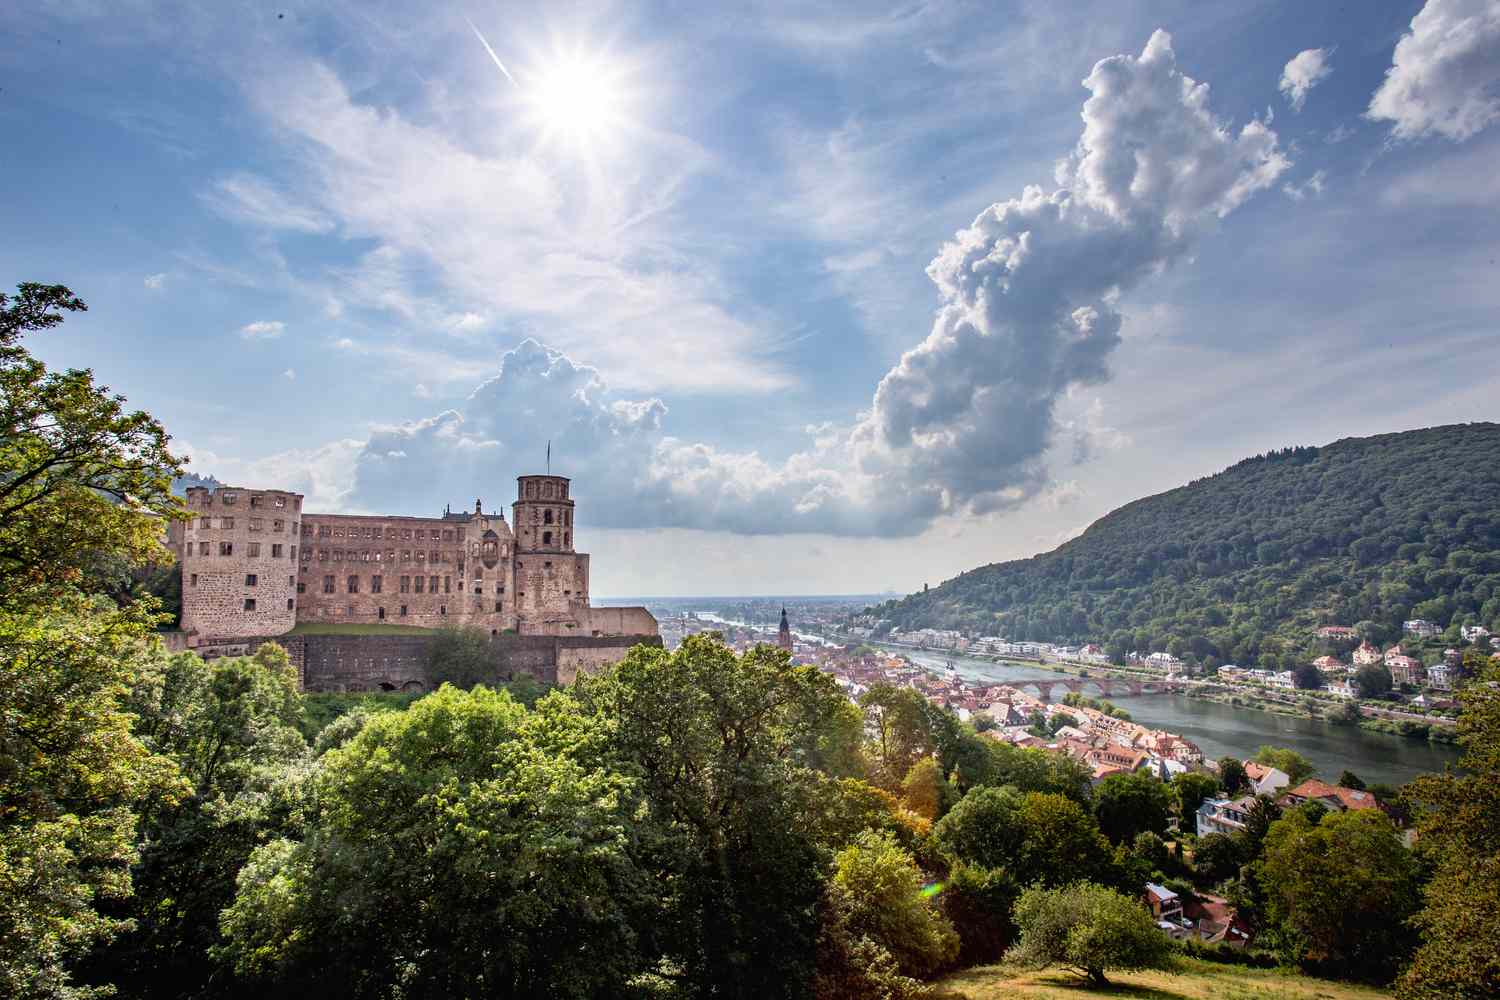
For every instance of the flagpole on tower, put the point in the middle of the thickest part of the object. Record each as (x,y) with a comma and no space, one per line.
(549,456)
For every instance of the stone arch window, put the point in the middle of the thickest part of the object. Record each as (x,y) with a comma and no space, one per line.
(547,516)
(567,538)
(546,538)
(547,491)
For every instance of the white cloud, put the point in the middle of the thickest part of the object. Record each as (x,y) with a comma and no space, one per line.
(967,419)
(1313,186)
(468,321)
(264,329)
(344,344)
(1302,73)
(246,198)
(156,282)
(421,391)
(323,474)
(590,252)
(1445,74)
(290,374)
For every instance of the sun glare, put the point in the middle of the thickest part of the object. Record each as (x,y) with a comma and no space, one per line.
(577,98)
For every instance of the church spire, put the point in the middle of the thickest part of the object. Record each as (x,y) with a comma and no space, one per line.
(784,634)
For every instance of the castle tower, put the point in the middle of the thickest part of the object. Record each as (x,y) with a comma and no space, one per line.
(238,554)
(543,514)
(784,634)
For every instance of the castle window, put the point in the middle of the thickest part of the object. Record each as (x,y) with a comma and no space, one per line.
(478,587)
(278,525)
(249,604)
(290,603)
(420,534)
(443,609)
(497,606)
(205,523)
(546,538)
(290,580)
(254,549)
(281,501)
(447,534)
(324,531)
(195,580)
(255,501)
(275,550)
(547,490)
(250,579)
(567,593)
(405,532)
(433,557)
(338,532)
(365,557)
(369,532)
(567,539)
(547,516)
(227,523)
(203,548)
(377,556)
(546,565)
(499,587)
(380,613)
(421,557)
(226,498)
(327,584)
(403,611)
(226,548)
(301,588)
(406,555)
(353,584)
(338,555)
(418,582)
(375,582)
(432,584)
(405,586)
(255,524)
(460,534)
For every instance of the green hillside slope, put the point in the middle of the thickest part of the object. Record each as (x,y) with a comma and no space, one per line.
(1372,530)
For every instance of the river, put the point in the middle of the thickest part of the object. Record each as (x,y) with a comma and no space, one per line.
(1224,729)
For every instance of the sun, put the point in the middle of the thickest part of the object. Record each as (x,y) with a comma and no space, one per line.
(577,97)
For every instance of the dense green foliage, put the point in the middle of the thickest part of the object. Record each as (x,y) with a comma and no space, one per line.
(1365,530)
(1089,929)
(1460,837)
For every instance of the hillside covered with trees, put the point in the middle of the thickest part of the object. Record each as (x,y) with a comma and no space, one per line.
(1368,531)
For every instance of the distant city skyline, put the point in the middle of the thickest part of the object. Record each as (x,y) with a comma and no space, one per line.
(820,303)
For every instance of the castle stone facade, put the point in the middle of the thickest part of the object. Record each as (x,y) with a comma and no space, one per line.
(255,564)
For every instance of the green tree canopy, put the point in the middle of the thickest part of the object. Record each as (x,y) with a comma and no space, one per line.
(1128,804)
(1339,893)
(1088,929)
(1034,836)
(1291,763)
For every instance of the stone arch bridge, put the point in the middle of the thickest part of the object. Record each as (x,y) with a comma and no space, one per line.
(1046,688)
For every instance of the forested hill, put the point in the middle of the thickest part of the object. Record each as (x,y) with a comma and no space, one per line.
(1373,530)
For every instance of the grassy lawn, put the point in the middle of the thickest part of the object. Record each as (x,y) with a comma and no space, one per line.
(1196,980)
(328,628)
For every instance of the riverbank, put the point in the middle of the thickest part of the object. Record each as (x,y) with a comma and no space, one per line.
(1308,704)
(1221,728)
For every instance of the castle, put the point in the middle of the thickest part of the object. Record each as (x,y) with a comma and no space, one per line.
(254,566)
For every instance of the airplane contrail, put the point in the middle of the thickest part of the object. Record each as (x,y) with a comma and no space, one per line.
(492,53)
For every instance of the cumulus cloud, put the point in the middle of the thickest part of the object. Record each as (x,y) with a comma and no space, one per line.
(156,282)
(1302,73)
(290,374)
(263,329)
(1445,74)
(965,422)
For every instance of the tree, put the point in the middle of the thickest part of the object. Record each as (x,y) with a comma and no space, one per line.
(1307,677)
(1232,775)
(1036,836)
(462,657)
(900,721)
(886,904)
(1372,681)
(1191,789)
(71,456)
(1459,836)
(1128,804)
(924,789)
(726,748)
(1351,780)
(1291,763)
(1339,893)
(1218,856)
(71,777)
(517,859)
(1088,929)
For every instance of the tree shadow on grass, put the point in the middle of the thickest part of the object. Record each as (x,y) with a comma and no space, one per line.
(1083,988)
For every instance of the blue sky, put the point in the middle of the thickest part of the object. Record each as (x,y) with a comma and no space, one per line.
(807,299)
